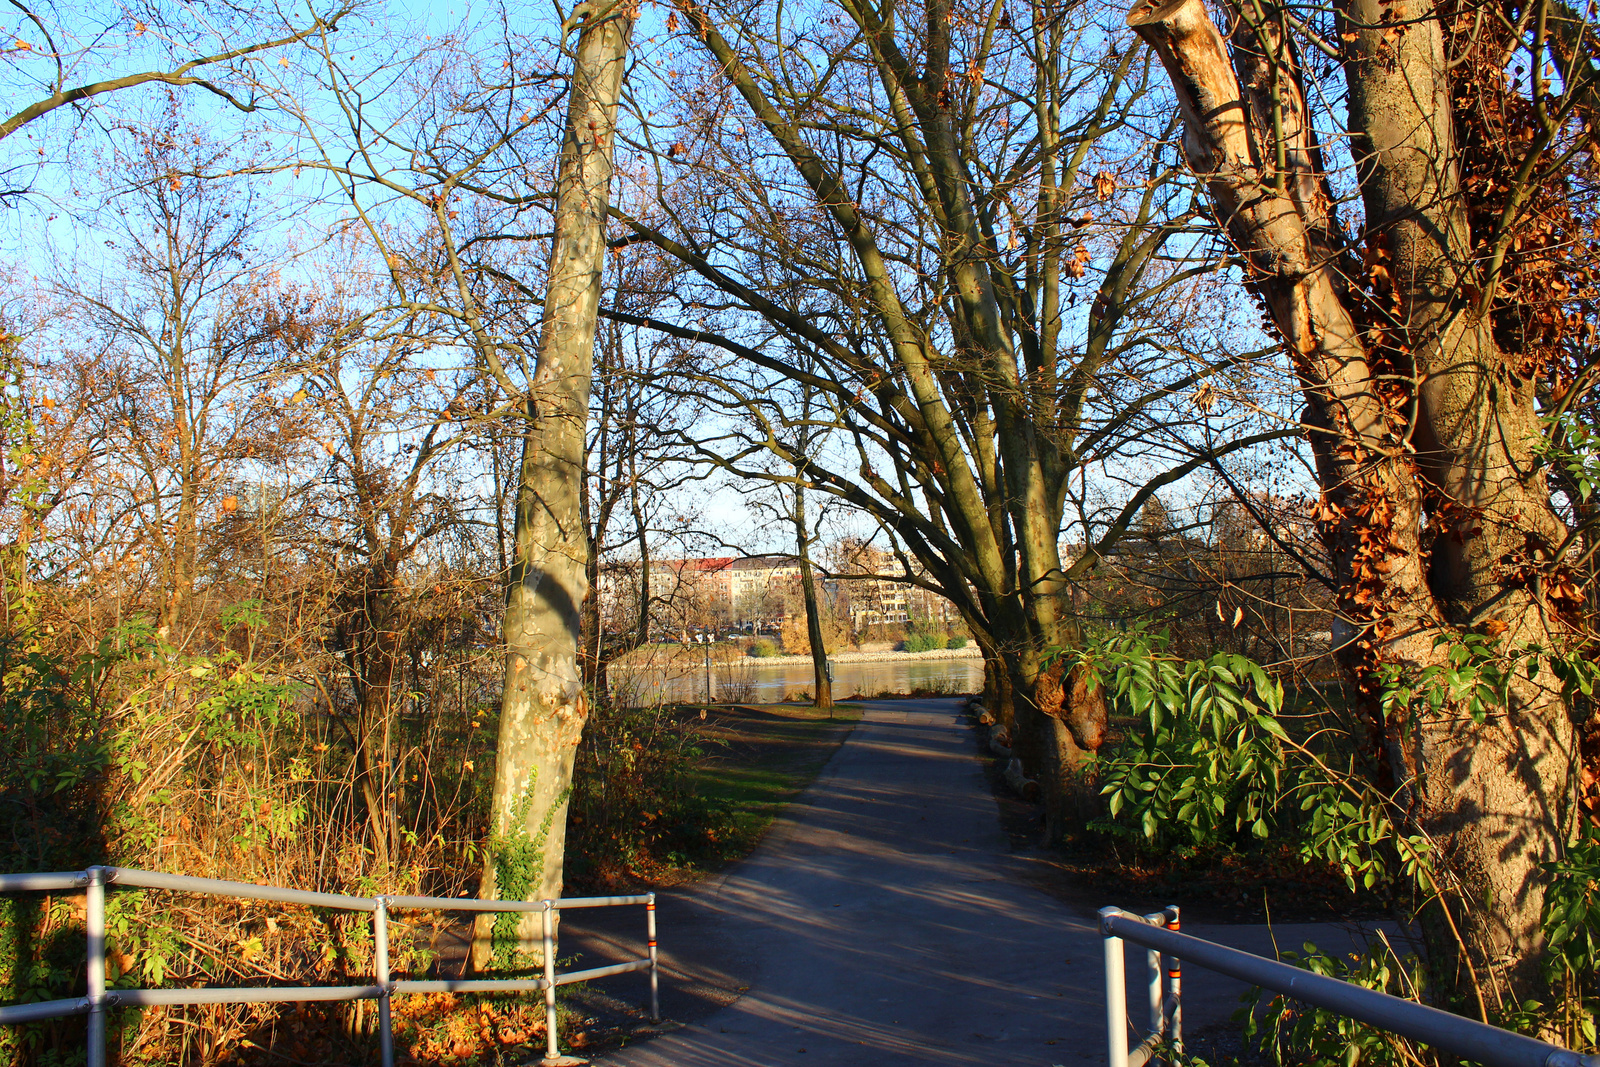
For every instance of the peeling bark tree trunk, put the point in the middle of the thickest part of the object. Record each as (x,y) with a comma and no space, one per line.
(1421,427)
(542,709)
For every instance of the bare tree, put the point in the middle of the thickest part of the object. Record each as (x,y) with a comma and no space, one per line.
(196,332)
(944,225)
(383,503)
(544,707)
(635,457)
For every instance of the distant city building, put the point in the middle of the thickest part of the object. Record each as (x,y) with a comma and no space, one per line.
(759,594)
(765,591)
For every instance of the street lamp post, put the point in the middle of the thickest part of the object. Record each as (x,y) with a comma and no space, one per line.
(711,694)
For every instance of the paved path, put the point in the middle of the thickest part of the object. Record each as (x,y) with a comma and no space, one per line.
(883,923)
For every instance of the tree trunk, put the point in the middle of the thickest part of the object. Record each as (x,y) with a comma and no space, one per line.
(996,681)
(183,545)
(808,590)
(589,648)
(641,634)
(1054,706)
(1396,461)
(380,664)
(542,709)
(367,634)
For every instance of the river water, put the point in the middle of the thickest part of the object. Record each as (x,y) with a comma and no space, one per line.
(751,680)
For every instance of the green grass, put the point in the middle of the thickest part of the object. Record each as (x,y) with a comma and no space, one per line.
(770,757)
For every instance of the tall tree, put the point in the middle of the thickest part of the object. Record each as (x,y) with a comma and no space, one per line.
(1419,405)
(942,223)
(445,210)
(544,707)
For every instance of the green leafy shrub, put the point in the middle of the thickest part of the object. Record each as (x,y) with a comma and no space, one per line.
(634,799)
(956,642)
(1206,759)
(925,640)
(1294,1034)
(764,648)
(1572,936)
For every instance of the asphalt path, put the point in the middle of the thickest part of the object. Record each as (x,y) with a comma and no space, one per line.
(884,921)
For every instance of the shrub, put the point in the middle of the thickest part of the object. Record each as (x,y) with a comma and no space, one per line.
(924,641)
(635,802)
(763,648)
(956,642)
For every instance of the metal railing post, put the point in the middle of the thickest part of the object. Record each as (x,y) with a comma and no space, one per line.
(655,963)
(97,1001)
(380,972)
(1152,959)
(95,927)
(552,1053)
(1175,988)
(1116,995)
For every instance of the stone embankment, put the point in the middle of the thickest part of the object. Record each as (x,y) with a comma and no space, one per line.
(970,652)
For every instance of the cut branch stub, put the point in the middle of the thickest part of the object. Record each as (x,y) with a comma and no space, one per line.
(1196,59)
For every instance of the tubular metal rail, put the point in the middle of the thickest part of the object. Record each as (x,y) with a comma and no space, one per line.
(1158,935)
(95,880)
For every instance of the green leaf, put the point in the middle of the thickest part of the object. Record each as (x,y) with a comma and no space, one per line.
(1272,726)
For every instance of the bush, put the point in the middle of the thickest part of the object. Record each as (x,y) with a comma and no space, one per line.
(924,641)
(120,746)
(956,642)
(764,648)
(635,802)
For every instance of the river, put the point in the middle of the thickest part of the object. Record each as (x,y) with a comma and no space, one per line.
(752,680)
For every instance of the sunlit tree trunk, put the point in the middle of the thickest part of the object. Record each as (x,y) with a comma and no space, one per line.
(543,709)
(1419,424)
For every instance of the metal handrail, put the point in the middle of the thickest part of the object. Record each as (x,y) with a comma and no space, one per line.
(1166,1004)
(94,881)
(1467,1038)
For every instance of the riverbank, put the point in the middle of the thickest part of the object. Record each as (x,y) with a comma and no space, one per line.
(969,652)
(692,657)
(775,679)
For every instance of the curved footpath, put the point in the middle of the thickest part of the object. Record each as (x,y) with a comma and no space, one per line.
(884,922)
